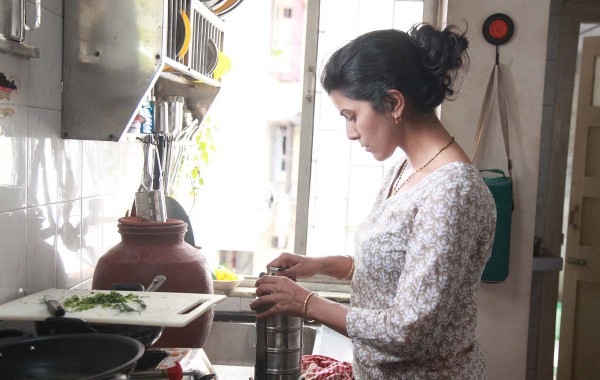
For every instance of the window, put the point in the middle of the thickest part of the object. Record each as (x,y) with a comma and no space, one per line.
(344,179)
(284,177)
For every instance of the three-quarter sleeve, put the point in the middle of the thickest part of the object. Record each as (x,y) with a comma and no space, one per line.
(436,282)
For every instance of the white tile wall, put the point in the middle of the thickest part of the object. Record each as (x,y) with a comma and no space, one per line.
(93,172)
(70,158)
(114,207)
(123,162)
(42,179)
(41,248)
(68,244)
(91,234)
(14,225)
(13,155)
(59,199)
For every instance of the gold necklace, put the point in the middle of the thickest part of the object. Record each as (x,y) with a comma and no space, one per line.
(398,187)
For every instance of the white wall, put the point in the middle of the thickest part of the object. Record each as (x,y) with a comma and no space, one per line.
(59,199)
(504,308)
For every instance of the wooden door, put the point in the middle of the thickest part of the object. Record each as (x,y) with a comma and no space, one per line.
(579,353)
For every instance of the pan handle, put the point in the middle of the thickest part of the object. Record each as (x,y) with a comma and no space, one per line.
(63,325)
(12,334)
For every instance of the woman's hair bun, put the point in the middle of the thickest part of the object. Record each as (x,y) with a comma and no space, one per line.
(421,64)
(443,52)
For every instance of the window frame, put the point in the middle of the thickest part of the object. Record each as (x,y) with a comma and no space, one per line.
(434,12)
(307,125)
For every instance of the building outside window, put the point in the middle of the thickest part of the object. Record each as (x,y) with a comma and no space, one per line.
(249,208)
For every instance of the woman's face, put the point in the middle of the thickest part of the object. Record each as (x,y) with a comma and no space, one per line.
(376,132)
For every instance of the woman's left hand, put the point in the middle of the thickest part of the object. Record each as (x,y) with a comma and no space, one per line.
(278,295)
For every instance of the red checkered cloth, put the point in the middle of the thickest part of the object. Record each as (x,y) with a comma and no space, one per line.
(319,367)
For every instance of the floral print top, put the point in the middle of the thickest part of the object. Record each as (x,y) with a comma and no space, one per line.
(418,263)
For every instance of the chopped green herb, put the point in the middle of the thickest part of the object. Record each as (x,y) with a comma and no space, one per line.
(123,307)
(112,299)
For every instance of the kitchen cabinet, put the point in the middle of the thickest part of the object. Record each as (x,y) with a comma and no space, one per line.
(117,53)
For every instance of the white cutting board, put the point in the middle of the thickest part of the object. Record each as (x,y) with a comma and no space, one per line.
(163,308)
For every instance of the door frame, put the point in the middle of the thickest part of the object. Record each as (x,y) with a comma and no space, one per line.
(573,13)
(577,251)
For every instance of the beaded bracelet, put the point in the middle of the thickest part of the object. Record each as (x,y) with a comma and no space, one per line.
(304,307)
(351,269)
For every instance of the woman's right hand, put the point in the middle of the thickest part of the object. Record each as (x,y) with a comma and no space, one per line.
(298,266)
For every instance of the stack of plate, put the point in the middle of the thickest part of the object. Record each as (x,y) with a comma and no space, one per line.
(221,7)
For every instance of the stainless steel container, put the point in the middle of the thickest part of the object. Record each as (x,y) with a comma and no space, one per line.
(175,114)
(161,117)
(150,205)
(278,346)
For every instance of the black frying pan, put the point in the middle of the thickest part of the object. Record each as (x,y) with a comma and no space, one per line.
(65,357)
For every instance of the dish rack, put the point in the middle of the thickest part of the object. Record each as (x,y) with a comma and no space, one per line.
(205,34)
(126,51)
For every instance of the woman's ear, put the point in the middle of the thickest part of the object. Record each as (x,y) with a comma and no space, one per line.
(397,102)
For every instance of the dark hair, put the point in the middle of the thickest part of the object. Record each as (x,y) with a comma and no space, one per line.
(422,64)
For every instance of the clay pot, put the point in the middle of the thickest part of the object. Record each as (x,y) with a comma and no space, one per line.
(148,249)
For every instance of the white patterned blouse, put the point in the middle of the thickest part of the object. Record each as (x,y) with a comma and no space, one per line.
(418,263)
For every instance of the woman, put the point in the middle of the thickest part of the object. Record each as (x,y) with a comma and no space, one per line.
(421,251)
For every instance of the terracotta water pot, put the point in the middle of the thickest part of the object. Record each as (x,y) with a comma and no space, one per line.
(148,249)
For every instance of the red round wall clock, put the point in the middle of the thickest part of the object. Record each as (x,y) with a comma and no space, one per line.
(498,29)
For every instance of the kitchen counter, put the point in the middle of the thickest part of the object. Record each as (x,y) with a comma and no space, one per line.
(233,372)
(250,292)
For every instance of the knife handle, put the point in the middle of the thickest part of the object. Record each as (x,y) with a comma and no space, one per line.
(55,308)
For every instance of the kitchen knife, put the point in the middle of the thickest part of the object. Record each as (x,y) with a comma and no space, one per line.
(54,306)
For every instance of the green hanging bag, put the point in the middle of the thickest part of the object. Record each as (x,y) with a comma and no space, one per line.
(501,187)
(496,270)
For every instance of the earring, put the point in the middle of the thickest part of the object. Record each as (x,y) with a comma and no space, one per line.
(398,119)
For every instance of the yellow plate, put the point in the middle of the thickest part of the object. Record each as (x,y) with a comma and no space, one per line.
(223,7)
(223,66)
(188,32)
(227,284)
